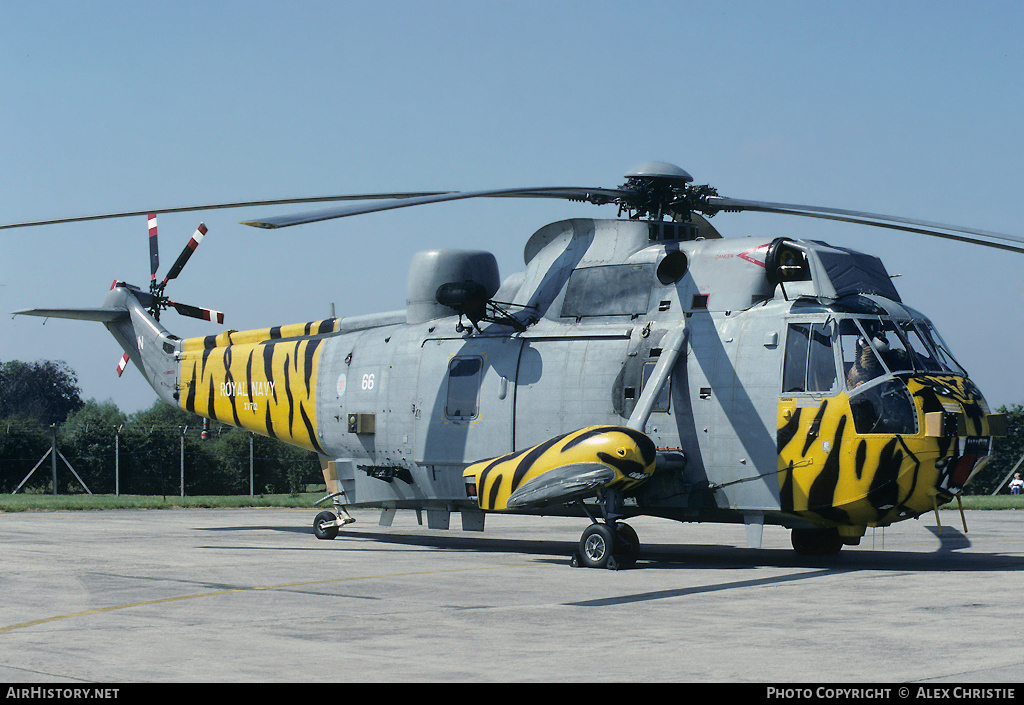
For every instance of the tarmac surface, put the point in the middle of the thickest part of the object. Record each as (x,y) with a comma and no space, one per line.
(240,595)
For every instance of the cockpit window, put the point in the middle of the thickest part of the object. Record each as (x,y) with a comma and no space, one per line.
(942,354)
(860,363)
(924,357)
(890,346)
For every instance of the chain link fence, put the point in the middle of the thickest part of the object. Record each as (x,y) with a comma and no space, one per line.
(149,459)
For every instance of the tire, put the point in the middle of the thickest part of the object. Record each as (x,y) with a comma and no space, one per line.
(324,533)
(596,546)
(816,542)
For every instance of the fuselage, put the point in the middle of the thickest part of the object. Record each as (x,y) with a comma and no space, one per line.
(807,398)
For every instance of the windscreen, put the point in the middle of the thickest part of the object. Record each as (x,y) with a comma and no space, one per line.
(873,346)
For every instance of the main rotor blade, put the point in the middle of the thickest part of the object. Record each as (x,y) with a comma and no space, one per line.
(912,225)
(217,206)
(595,195)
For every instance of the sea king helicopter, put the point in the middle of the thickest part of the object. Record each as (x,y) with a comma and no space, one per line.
(641,365)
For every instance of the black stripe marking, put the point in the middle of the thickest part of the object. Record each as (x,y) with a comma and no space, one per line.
(311,348)
(648,451)
(884,490)
(493,495)
(310,431)
(623,465)
(270,425)
(861,458)
(812,432)
(288,391)
(527,462)
(821,495)
(190,398)
(786,493)
(248,375)
(785,434)
(210,410)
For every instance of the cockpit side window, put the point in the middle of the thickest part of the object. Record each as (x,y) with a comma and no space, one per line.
(795,372)
(810,364)
(821,363)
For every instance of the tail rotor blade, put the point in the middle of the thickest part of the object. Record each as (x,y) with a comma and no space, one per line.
(205,314)
(193,243)
(122,364)
(154,251)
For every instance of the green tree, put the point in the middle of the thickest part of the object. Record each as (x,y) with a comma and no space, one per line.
(151,450)
(88,440)
(23,442)
(45,390)
(1006,451)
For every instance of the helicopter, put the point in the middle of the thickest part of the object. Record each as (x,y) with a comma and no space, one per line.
(641,365)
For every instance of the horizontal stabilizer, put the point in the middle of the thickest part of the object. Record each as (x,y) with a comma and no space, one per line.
(561,485)
(104,315)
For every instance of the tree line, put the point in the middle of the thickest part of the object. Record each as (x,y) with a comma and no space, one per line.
(138,453)
(148,447)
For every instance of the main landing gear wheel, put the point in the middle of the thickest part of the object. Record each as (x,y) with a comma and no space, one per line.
(608,546)
(325,526)
(627,545)
(816,542)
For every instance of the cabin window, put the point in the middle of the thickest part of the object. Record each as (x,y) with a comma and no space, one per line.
(810,364)
(618,290)
(463,387)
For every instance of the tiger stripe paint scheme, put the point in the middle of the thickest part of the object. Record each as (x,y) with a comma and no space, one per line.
(261,380)
(629,453)
(831,475)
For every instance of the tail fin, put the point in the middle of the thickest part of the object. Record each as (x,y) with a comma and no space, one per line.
(148,344)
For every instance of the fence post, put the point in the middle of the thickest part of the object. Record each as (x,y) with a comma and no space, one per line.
(53,456)
(117,461)
(183,460)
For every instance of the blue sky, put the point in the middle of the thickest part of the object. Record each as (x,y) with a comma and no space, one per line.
(909,108)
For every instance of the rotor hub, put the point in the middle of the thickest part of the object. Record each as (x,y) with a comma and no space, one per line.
(660,189)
